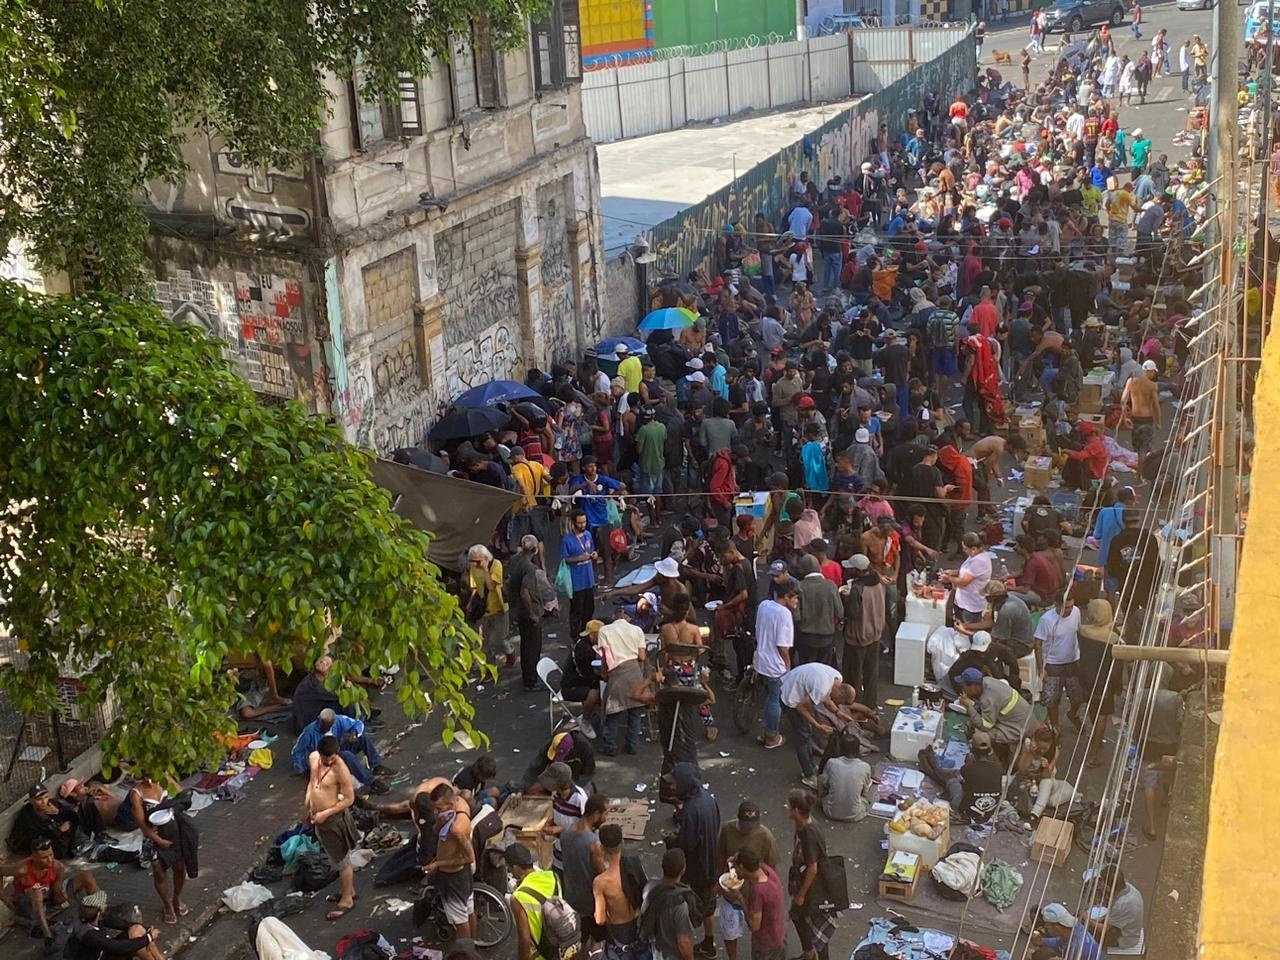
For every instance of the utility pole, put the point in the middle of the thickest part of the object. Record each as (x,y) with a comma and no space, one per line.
(1224,156)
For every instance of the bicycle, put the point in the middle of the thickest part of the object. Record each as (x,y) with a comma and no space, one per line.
(747,700)
(493,917)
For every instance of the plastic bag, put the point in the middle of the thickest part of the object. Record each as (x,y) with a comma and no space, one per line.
(246,896)
(360,857)
(261,758)
(614,514)
(564,579)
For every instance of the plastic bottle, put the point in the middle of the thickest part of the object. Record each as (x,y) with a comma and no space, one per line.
(915,697)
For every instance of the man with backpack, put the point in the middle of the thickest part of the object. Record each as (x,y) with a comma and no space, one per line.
(697,830)
(546,926)
(669,913)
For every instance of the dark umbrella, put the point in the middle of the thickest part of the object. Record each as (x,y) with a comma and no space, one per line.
(422,459)
(495,391)
(463,423)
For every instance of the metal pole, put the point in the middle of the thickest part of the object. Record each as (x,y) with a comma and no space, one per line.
(1223,160)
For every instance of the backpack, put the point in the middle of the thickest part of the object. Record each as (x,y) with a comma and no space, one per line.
(561,927)
(940,326)
(314,872)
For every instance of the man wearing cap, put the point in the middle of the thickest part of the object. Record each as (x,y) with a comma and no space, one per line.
(1133,562)
(88,942)
(568,802)
(1087,464)
(41,819)
(746,834)
(974,790)
(1061,935)
(534,887)
(1140,399)
(580,676)
(995,708)
(991,660)
(697,823)
(864,615)
(629,367)
(1007,618)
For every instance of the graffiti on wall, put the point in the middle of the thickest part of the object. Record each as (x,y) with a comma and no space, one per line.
(559,326)
(494,356)
(686,241)
(259,317)
(475,273)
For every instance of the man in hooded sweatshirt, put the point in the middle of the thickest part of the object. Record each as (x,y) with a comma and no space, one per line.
(697,830)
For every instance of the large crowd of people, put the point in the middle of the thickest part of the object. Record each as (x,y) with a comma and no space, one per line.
(828,433)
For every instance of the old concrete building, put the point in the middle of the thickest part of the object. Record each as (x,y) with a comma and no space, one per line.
(441,240)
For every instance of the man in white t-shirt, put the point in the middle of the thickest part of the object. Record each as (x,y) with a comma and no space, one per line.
(1058,658)
(775,636)
(804,689)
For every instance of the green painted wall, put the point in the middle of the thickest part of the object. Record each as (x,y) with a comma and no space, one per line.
(681,22)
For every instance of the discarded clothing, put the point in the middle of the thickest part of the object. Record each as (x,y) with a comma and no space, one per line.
(1001,884)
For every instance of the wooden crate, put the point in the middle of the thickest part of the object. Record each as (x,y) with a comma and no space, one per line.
(901,877)
(1037,473)
(523,821)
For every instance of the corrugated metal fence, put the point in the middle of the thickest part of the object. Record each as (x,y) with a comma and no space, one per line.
(641,99)
(686,241)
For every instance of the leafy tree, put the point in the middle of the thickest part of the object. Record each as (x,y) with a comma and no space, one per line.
(159,519)
(95,96)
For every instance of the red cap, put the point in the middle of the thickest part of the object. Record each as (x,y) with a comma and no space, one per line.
(805,403)
(1086,429)
(778,351)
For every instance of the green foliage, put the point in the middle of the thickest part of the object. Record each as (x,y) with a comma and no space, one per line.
(95,96)
(160,520)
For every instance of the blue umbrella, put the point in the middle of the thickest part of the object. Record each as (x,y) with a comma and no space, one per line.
(610,346)
(495,391)
(669,318)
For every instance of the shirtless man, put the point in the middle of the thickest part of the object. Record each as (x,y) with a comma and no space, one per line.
(1141,400)
(419,809)
(615,913)
(452,872)
(988,455)
(683,630)
(327,805)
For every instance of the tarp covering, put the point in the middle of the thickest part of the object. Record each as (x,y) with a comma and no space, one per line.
(458,513)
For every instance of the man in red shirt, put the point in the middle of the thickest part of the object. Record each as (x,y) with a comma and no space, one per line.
(766,910)
(985,316)
(722,484)
(1087,464)
(1041,579)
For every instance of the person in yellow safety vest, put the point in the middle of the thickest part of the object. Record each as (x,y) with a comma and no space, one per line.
(995,708)
(534,886)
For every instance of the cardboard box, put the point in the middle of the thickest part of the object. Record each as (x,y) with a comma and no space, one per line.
(901,877)
(631,815)
(1031,429)
(1051,843)
(1037,473)
(526,817)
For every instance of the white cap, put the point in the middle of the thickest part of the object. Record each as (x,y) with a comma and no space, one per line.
(1137,131)
(697,377)
(695,363)
(622,348)
(858,561)
(667,567)
(981,640)
(1150,365)
(862,435)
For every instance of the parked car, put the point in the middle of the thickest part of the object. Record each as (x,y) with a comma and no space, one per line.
(839,23)
(1074,15)
(1194,4)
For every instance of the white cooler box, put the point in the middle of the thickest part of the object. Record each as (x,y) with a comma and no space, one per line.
(913,730)
(931,612)
(909,653)
(1030,675)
